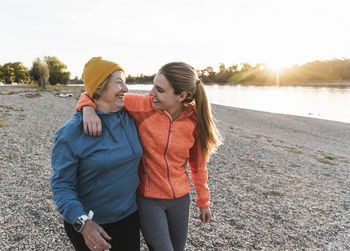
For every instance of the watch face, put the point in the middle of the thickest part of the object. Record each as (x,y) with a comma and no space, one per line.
(78,224)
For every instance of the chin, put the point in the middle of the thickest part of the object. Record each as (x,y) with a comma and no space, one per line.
(156,106)
(119,107)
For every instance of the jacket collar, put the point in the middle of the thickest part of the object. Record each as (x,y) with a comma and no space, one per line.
(189,111)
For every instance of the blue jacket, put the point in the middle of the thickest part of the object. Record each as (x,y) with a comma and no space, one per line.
(96,173)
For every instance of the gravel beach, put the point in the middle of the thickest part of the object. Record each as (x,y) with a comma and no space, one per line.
(278,182)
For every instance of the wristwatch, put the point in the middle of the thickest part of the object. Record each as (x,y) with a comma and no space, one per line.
(80,221)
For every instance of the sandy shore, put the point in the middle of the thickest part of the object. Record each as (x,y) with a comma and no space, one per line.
(279,182)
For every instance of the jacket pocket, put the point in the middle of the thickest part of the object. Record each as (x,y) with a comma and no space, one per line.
(185,164)
(146,168)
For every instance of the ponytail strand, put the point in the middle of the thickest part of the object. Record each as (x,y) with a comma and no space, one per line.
(209,135)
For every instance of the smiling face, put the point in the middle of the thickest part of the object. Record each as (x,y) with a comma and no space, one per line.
(112,97)
(164,97)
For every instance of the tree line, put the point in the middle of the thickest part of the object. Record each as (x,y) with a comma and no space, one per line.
(50,70)
(316,71)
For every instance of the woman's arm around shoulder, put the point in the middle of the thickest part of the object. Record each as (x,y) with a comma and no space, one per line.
(91,121)
(138,102)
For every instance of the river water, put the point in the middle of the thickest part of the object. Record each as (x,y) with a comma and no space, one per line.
(329,103)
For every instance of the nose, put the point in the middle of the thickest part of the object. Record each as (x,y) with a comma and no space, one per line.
(124,88)
(152,92)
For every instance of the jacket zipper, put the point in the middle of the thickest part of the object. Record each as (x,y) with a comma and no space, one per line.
(166,160)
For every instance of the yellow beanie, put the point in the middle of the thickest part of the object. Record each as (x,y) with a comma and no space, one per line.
(96,71)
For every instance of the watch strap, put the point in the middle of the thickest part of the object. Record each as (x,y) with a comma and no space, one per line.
(80,221)
(85,217)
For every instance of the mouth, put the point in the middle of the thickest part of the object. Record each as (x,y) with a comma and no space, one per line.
(155,101)
(121,97)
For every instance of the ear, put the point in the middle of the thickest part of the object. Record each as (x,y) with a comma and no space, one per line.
(182,96)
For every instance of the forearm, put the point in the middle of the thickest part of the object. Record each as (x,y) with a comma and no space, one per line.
(199,174)
(64,179)
(66,198)
(199,177)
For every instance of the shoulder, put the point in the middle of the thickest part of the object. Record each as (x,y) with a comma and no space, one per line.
(71,128)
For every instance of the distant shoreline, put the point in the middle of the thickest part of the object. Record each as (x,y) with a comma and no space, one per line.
(296,84)
(338,84)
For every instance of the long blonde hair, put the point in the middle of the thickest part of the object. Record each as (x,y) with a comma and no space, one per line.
(183,78)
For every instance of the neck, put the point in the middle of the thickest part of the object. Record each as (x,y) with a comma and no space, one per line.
(176,112)
(104,107)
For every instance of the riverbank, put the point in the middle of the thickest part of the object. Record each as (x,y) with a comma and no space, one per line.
(278,182)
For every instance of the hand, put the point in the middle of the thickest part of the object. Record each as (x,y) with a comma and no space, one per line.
(95,237)
(92,122)
(205,215)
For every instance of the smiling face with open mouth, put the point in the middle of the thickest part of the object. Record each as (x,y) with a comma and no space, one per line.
(112,98)
(164,97)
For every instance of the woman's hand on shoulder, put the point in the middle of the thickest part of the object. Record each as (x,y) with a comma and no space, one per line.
(95,237)
(205,215)
(92,122)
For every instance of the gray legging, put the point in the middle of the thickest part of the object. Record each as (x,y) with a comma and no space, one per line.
(164,222)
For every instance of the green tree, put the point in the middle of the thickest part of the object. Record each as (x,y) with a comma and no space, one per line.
(21,73)
(233,68)
(246,67)
(14,72)
(222,68)
(207,74)
(222,75)
(57,71)
(39,72)
(8,73)
(1,74)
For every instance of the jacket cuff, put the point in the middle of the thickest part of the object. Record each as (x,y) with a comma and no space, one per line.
(74,213)
(203,205)
(84,100)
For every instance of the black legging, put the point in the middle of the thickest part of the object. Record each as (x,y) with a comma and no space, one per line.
(125,234)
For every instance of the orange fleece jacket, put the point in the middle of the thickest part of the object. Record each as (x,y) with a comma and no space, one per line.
(167,148)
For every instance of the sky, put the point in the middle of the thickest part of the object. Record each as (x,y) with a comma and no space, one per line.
(143,35)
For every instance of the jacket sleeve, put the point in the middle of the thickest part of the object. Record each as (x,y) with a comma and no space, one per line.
(138,103)
(199,175)
(84,100)
(64,180)
(132,102)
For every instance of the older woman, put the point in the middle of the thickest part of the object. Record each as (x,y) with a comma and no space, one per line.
(94,179)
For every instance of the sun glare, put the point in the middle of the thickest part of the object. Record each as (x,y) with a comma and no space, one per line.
(277,65)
